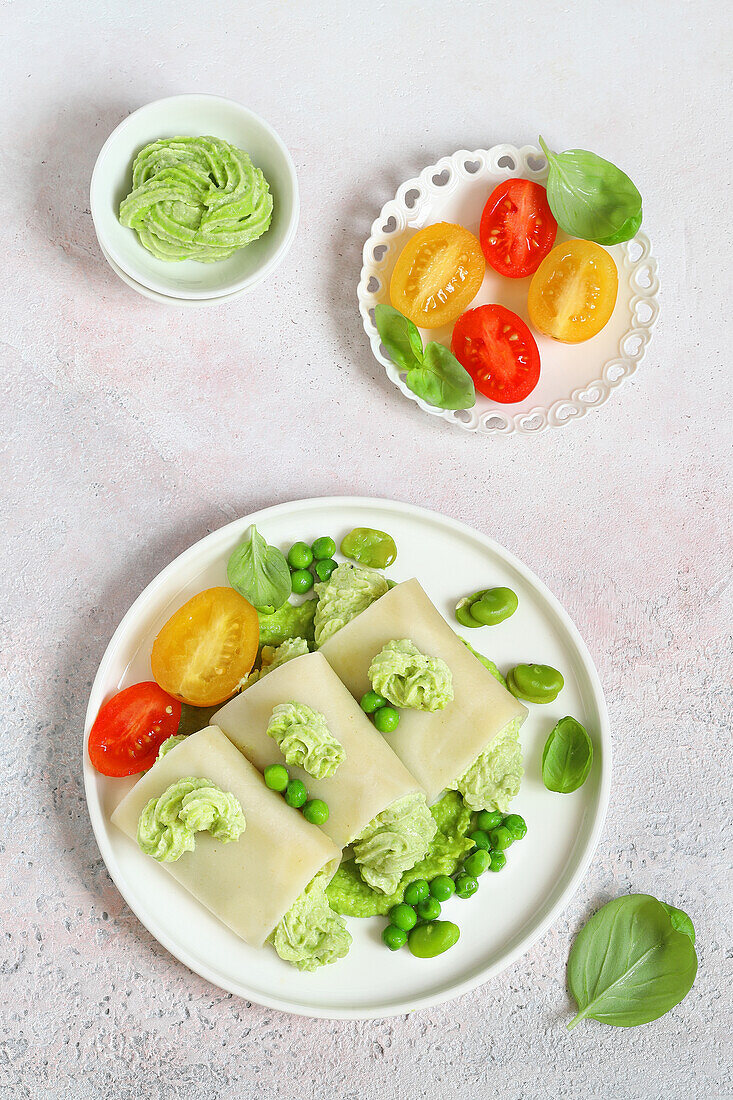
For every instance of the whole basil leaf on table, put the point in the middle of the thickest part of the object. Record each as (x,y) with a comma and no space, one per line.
(630,964)
(591,198)
(567,757)
(260,573)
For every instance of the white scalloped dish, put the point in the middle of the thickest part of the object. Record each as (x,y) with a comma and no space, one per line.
(573,377)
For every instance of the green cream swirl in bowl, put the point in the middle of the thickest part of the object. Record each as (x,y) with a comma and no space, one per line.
(196,198)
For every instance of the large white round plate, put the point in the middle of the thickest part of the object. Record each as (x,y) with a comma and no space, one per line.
(574,377)
(512,908)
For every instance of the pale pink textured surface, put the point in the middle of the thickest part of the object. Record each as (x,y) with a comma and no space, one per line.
(129,430)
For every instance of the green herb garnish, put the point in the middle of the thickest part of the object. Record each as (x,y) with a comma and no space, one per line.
(260,573)
(567,757)
(592,198)
(631,962)
(433,373)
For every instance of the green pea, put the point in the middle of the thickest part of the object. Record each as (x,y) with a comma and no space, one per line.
(428,908)
(466,886)
(296,793)
(442,887)
(323,548)
(324,568)
(300,555)
(403,916)
(302,581)
(429,940)
(488,820)
(516,825)
(476,863)
(386,719)
(500,838)
(276,777)
(394,937)
(316,811)
(372,701)
(535,683)
(494,606)
(416,891)
(498,860)
(479,838)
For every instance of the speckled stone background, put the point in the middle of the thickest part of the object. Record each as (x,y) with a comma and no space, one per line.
(130,430)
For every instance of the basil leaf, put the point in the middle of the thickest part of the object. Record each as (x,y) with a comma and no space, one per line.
(441,380)
(260,573)
(400,337)
(567,757)
(592,198)
(629,964)
(680,921)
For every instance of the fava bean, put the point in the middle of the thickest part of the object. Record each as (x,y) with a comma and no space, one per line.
(487,607)
(370,547)
(429,940)
(535,683)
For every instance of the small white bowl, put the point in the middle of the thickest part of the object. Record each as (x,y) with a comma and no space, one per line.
(195,116)
(166,299)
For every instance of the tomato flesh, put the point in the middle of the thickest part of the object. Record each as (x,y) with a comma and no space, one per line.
(498,351)
(517,228)
(207,647)
(437,274)
(131,727)
(573,292)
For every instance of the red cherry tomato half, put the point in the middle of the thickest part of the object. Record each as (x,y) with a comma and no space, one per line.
(131,727)
(498,351)
(517,228)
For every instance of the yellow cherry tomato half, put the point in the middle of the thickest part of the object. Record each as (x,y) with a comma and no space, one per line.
(573,291)
(207,647)
(437,275)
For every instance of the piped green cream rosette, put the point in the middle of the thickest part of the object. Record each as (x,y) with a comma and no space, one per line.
(303,736)
(196,198)
(168,824)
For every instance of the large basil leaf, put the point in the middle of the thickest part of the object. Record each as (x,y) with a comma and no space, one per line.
(629,964)
(441,380)
(592,198)
(260,573)
(400,337)
(567,757)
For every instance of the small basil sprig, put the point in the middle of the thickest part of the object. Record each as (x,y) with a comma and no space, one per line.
(433,373)
(260,573)
(633,961)
(567,757)
(592,198)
